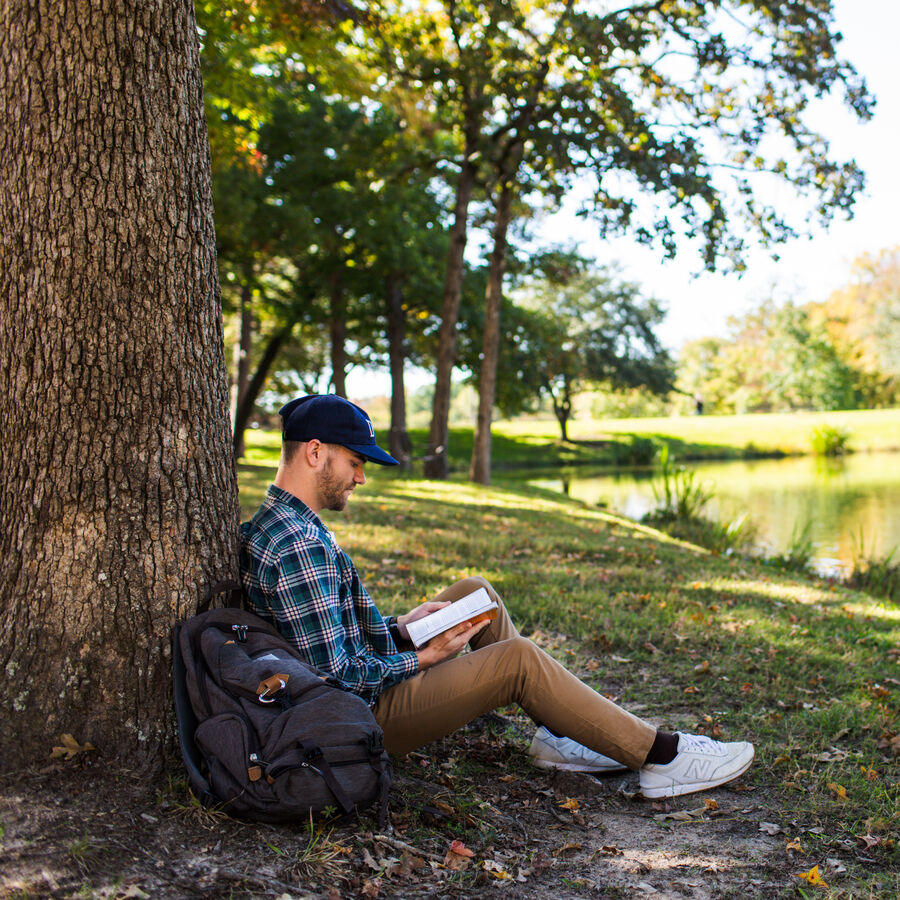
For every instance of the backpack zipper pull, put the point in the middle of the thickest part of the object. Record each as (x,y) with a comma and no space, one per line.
(240,632)
(255,769)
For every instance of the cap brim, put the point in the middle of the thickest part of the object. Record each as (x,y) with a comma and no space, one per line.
(374,453)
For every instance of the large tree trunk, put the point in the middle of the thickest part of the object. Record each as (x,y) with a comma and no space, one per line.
(118,501)
(436,460)
(338,314)
(400,444)
(480,470)
(255,385)
(242,369)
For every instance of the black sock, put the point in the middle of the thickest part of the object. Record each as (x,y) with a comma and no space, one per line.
(664,749)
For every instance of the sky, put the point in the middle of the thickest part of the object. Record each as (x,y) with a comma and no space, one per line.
(807,270)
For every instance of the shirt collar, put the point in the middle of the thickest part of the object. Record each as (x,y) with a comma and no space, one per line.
(279,495)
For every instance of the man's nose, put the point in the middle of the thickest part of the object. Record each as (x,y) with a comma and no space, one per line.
(360,477)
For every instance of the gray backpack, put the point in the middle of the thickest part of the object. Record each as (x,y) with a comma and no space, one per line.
(264,735)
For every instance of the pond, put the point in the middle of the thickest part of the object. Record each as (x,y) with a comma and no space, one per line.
(847,504)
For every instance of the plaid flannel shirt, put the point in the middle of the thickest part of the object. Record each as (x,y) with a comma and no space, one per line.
(299,579)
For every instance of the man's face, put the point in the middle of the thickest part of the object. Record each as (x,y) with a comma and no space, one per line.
(343,470)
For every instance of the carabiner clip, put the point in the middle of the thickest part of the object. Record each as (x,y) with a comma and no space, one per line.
(265,694)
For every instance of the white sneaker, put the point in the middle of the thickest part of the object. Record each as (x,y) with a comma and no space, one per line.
(551,752)
(701,763)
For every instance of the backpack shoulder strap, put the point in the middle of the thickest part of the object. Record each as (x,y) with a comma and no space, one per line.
(187,725)
(232,588)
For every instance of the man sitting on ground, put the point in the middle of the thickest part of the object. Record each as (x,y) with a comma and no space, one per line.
(298,578)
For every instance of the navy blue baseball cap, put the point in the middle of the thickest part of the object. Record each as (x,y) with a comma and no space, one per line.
(332,420)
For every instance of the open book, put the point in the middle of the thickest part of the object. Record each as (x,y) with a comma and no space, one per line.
(474,607)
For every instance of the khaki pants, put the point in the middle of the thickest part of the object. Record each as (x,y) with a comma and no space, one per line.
(502,668)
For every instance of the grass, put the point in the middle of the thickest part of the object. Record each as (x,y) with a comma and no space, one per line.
(805,668)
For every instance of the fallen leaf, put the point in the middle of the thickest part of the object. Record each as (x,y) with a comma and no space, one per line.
(691,690)
(496,869)
(370,861)
(569,803)
(868,841)
(70,747)
(566,847)
(812,876)
(682,815)
(770,828)
(794,845)
(506,779)
(460,848)
(371,888)
(838,790)
(612,851)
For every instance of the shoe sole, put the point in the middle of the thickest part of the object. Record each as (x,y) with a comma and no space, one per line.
(574,767)
(679,790)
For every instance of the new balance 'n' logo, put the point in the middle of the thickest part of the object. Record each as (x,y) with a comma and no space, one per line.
(698,769)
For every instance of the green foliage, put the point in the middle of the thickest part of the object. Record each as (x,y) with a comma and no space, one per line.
(681,501)
(777,358)
(799,553)
(828,440)
(679,496)
(878,575)
(574,326)
(635,451)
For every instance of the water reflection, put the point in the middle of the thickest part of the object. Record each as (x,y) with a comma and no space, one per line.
(845,503)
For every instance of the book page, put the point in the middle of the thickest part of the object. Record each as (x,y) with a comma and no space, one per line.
(423,630)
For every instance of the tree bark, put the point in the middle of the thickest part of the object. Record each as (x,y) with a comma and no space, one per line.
(256,384)
(562,409)
(118,499)
(242,369)
(338,325)
(436,460)
(480,469)
(399,442)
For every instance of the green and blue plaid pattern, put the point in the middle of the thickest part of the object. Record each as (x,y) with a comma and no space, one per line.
(299,579)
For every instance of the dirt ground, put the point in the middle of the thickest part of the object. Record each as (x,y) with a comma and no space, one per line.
(81,828)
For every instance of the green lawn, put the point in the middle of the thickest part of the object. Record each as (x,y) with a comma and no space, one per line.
(726,436)
(806,669)
(534,443)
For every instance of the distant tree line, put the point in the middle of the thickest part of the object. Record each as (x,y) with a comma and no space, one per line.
(356,150)
(841,353)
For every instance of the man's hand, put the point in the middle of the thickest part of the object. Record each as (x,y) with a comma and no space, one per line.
(424,609)
(448,643)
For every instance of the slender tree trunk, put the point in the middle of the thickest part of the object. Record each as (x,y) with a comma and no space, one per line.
(562,409)
(256,384)
(338,325)
(400,444)
(480,470)
(118,500)
(436,460)
(242,369)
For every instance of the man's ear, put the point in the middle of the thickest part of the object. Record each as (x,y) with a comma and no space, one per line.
(316,453)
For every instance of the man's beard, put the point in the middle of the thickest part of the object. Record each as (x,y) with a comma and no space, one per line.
(332,491)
